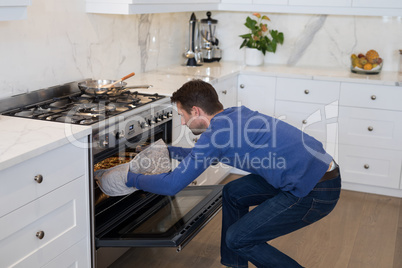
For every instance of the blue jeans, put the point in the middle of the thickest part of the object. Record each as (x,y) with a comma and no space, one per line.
(245,234)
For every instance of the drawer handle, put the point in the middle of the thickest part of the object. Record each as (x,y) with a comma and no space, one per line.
(370,128)
(225,92)
(304,121)
(366,166)
(38,178)
(306,91)
(373,97)
(242,86)
(40,234)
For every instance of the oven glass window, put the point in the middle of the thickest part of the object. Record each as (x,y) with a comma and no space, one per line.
(157,220)
(169,211)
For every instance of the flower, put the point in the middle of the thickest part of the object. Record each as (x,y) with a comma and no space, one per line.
(260,37)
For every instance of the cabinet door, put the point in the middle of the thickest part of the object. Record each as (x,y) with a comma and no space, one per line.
(327,3)
(257,93)
(227,91)
(61,216)
(370,166)
(376,3)
(76,256)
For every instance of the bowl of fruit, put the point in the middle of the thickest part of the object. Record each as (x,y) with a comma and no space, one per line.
(369,63)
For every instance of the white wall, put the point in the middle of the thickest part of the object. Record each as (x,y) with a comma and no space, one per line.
(59,42)
(314,40)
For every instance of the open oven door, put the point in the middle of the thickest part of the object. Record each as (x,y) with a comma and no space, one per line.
(143,219)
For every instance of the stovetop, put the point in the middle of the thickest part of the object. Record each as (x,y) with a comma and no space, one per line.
(67,104)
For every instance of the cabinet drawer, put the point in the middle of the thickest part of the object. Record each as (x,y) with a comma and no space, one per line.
(370,166)
(307,90)
(371,96)
(317,120)
(57,167)
(368,127)
(63,216)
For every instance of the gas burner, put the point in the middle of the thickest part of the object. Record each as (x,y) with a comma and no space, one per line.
(94,108)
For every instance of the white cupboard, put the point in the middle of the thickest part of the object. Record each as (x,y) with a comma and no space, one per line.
(370,123)
(340,7)
(45,211)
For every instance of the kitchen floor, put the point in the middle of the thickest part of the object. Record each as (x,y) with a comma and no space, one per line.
(364,230)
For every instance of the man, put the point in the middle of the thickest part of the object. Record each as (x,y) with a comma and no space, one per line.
(293,182)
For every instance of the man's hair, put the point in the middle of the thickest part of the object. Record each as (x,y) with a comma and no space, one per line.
(198,93)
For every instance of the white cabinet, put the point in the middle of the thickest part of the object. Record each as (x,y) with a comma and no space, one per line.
(370,134)
(14,9)
(145,6)
(45,209)
(377,4)
(183,137)
(336,7)
(327,3)
(257,93)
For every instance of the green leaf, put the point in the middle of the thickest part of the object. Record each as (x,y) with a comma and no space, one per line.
(245,35)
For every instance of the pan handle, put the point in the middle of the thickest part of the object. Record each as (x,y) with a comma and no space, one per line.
(140,86)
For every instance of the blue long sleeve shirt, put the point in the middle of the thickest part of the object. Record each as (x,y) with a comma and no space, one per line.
(284,156)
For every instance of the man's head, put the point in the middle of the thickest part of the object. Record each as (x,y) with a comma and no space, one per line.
(197,102)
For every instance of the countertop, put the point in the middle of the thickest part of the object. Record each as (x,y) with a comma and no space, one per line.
(22,139)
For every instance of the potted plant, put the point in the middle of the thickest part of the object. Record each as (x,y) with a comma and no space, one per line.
(260,39)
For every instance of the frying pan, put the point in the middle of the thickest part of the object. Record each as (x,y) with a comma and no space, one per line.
(94,87)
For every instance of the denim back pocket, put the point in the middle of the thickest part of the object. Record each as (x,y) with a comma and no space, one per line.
(319,209)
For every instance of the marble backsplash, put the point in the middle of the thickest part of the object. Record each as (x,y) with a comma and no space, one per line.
(59,43)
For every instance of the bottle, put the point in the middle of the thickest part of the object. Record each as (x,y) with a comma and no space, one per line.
(400,63)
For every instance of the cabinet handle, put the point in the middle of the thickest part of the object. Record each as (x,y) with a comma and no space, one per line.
(373,97)
(242,86)
(304,121)
(40,234)
(38,178)
(370,128)
(224,92)
(366,166)
(306,91)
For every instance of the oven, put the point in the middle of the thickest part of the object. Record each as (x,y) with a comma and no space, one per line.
(122,126)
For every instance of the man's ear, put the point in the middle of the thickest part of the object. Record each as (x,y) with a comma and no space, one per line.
(195,110)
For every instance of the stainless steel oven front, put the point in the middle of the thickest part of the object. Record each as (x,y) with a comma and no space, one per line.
(142,219)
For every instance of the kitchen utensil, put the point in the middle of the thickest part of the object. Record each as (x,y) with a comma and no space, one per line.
(190,54)
(209,42)
(94,87)
(118,81)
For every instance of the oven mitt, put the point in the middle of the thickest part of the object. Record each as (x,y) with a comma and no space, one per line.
(112,181)
(154,159)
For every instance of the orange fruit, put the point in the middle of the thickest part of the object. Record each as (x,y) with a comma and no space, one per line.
(368,66)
